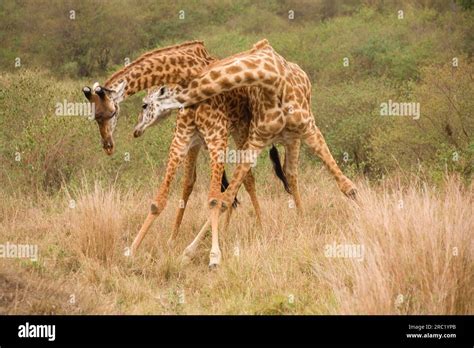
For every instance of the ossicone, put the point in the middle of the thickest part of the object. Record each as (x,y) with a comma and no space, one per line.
(99,91)
(87,92)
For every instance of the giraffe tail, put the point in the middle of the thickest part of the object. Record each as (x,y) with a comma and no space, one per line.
(275,157)
(224,185)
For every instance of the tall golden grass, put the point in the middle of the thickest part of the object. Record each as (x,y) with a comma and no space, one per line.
(416,239)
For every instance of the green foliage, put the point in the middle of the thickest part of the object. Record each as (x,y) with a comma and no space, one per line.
(40,149)
(442,138)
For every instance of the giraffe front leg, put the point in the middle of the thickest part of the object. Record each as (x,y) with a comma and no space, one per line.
(159,203)
(188,184)
(215,255)
(238,176)
(156,207)
(216,140)
(216,151)
(316,142)
(178,150)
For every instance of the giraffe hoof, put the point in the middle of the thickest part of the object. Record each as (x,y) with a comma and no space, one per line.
(154,208)
(214,259)
(352,194)
(213,202)
(213,266)
(187,256)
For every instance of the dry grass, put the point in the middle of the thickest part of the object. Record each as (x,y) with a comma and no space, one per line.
(417,243)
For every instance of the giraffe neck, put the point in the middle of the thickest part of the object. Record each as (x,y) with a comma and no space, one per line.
(170,65)
(260,67)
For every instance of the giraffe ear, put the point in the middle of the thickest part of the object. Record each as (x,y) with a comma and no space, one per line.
(159,93)
(163,91)
(118,93)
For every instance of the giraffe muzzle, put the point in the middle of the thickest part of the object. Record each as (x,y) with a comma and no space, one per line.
(108,146)
(137,132)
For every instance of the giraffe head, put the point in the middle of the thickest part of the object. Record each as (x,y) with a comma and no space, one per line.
(106,105)
(152,108)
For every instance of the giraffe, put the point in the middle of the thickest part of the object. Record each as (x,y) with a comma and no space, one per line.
(152,114)
(238,124)
(168,65)
(211,121)
(174,64)
(280,100)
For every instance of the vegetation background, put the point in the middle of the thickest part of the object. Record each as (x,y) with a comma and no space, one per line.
(48,160)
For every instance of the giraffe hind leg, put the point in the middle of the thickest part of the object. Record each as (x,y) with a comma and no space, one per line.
(292,152)
(317,144)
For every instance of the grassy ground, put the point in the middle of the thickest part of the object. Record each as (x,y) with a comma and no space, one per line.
(416,239)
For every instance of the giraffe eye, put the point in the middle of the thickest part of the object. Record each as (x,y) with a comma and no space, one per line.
(144,106)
